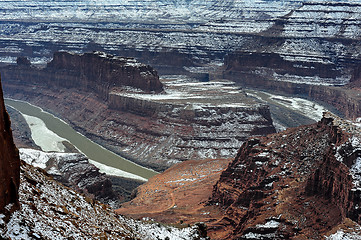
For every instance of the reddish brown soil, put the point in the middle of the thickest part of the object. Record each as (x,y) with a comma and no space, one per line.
(179,195)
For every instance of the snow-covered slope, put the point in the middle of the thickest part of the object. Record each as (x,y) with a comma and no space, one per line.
(202,29)
(312,36)
(143,11)
(51,211)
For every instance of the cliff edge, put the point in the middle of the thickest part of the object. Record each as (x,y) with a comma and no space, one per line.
(9,163)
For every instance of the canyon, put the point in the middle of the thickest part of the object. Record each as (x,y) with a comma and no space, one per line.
(155,125)
(313,52)
(288,46)
(35,206)
(187,111)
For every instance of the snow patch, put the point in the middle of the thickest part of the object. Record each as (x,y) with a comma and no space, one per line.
(115,171)
(341,235)
(44,137)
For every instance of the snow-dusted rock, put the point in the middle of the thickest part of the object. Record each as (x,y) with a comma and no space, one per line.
(48,210)
(73,170)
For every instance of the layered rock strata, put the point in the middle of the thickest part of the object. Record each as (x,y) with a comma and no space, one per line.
(187,120)
(75,171)
(308,52)
(346,100)
(308,42)
(9,163)
(302,182)
(96,72)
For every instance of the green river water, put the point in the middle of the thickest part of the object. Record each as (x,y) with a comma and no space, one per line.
(92,150)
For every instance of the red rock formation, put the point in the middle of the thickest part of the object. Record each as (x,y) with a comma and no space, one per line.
(178,194)
(101,72)
(96,72)
(9,163)
(289,184)
(302,183)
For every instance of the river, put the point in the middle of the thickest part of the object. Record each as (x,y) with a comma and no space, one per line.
(290,111)
(91,149)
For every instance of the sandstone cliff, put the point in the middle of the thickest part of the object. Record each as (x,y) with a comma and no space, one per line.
(100,72)
(302,182)
(96,72)
(9,163)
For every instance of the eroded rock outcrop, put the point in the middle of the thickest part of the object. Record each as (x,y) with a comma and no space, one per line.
(302,182)
(9,163)
(101,72)
(51,211)
(75,171)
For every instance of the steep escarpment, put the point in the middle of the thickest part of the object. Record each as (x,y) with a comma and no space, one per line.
(9,163)
(100,72)
(338,178)
(96,72)
(302,182)
(35,206)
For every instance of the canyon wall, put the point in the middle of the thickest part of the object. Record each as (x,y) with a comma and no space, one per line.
(97,72)
(300,182)
(312,51)
(345,99)
(9,163)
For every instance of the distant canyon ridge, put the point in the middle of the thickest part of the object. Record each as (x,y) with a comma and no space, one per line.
(303,47)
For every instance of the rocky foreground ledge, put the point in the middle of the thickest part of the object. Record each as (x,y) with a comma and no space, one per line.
(123,105)
(302,183)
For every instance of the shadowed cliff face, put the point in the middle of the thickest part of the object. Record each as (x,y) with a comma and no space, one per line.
(301,182)
(97,72)
(101,72)
(9,163)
